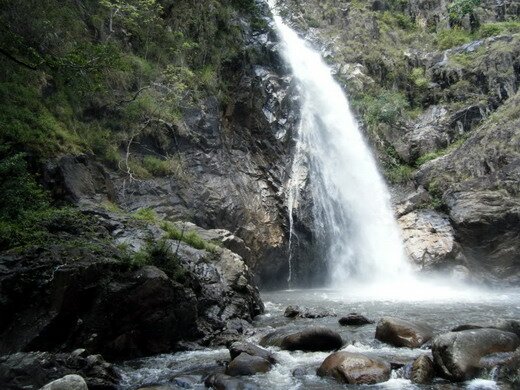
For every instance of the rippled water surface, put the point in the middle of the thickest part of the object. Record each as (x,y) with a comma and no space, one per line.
(442,313)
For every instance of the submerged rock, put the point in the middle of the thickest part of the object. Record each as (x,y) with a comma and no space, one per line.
(31,370)
(226,382)
(423,370)
(244,347)
(297,311)
(456,355)
(403,333)
(316,338)
(245,364)
(354,368)
(509,371)
(354,319)
(68,382)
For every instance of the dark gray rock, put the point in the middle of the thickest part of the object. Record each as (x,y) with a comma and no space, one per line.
(317,338)
(505,325)
(403,333)
(355,320)
(354,368)
(225,382)
(456,355)
(251,349)
(297,311)
(422,370)
(509,370)
(32,370)
(245,364)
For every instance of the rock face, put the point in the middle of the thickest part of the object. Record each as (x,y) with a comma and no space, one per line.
(68,382)
(429,240)
(402,333)
(354,368)
(317,338)
(33,370)
(456,355)
(355,320)
(94,298)
(231,163)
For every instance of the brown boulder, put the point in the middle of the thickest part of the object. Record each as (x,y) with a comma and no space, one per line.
(355,368)
(403,333)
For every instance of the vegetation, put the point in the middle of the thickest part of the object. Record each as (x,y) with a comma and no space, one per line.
(192,238)
(161,255)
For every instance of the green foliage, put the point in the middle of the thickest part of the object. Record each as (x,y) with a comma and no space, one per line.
(460,8)
(392,20)
(159,254)
(449,38)
(399,173)
(386,107)
(492,29)
(419,78)
(191,238)
(170,166)
(146,214)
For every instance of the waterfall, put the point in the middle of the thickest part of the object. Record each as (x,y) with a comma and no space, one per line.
(351,204)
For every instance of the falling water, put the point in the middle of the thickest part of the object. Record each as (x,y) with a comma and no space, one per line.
(351,204)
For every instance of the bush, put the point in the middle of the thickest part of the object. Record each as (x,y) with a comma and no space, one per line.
(146,214)
(160,255)
(492,29)
(456,36)
(386,107)
(399,173)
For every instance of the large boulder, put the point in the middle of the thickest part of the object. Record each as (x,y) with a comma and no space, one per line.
(429,239)
(355,368)
(505,325)
(316,338)
(297,311)
(68,382)
(32,370)
(245,364)
(403,333)
(457,355)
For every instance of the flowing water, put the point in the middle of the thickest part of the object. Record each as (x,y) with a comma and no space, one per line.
(351,204)
(442,313)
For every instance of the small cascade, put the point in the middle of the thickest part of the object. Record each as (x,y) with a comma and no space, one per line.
(351,204)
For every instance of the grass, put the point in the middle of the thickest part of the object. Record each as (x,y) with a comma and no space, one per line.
(146,214)
(399,173)
(192,238)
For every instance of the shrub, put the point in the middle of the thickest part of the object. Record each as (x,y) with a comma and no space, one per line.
(399,173)
(146,214)
(492,29)
(160,255)
(385,107)
(449,38)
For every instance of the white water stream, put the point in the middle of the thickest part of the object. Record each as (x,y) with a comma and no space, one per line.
(351,202)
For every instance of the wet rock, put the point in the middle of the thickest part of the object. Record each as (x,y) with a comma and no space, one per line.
(354,319)
(244,347)
(423,370)
(187,381)
(32,370)
(354,368)
(403,333)
(509,371)
(226,382)
(68,382)
(245,364)
(297,311)
(505,325)
(456,355)
(317,338)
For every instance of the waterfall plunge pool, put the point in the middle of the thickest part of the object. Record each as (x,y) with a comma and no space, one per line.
(443,313)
